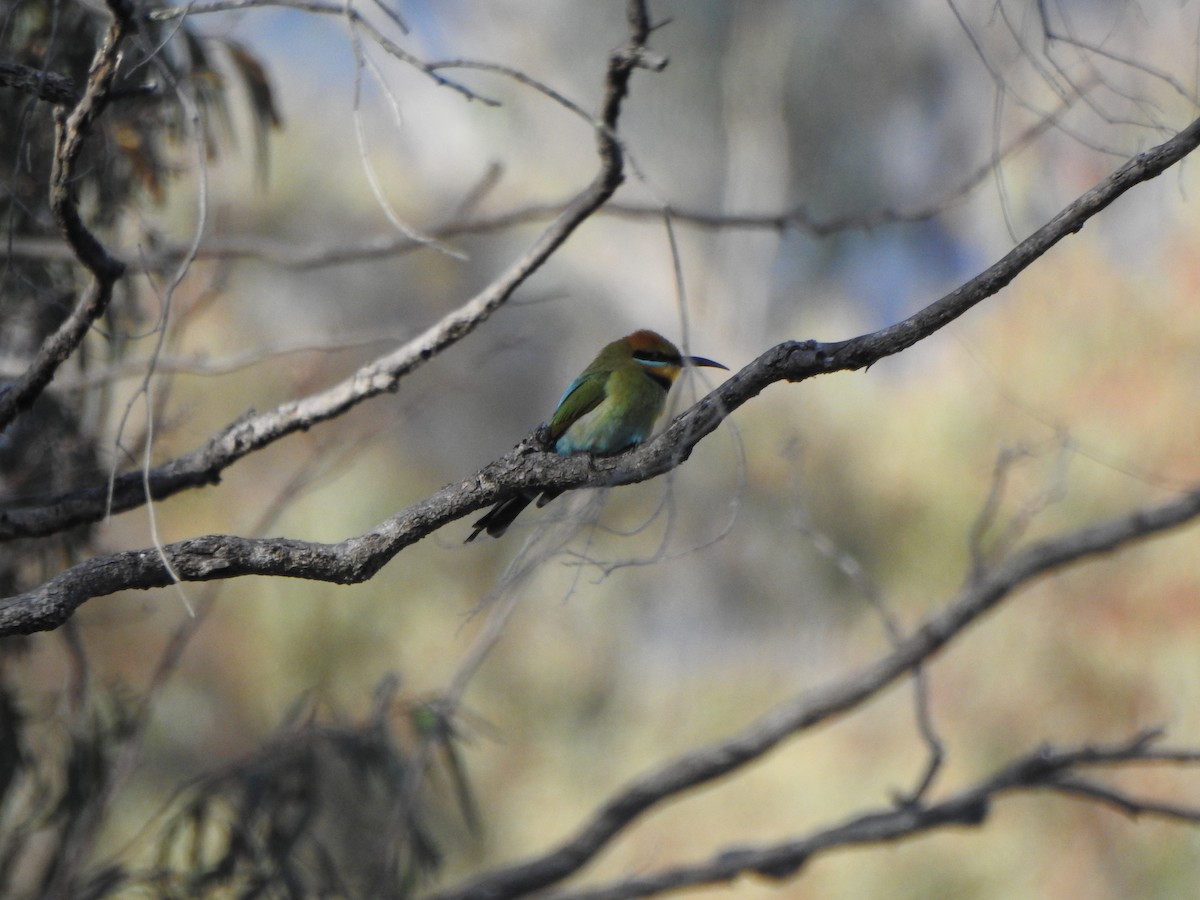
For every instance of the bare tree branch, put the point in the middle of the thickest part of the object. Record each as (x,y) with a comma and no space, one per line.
(1039,770)
(814,707)
(48,86)
(358,558)
(71,130)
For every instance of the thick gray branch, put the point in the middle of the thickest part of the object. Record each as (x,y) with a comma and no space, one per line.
(814,707)
(523,469)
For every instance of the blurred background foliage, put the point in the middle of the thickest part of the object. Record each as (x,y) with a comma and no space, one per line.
(697,601)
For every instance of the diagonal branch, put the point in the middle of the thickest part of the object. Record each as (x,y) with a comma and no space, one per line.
(71,129)
(524,468)
(707,764)
(1042,769)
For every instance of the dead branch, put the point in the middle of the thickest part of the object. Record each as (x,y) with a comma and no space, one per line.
(71,130)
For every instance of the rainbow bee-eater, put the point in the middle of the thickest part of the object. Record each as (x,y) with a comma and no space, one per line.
(610,407)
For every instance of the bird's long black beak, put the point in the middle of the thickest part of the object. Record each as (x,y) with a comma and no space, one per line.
(702,361)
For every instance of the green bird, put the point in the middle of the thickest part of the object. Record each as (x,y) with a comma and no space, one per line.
(609,408)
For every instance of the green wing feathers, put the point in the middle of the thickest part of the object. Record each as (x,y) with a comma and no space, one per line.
(584,395)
